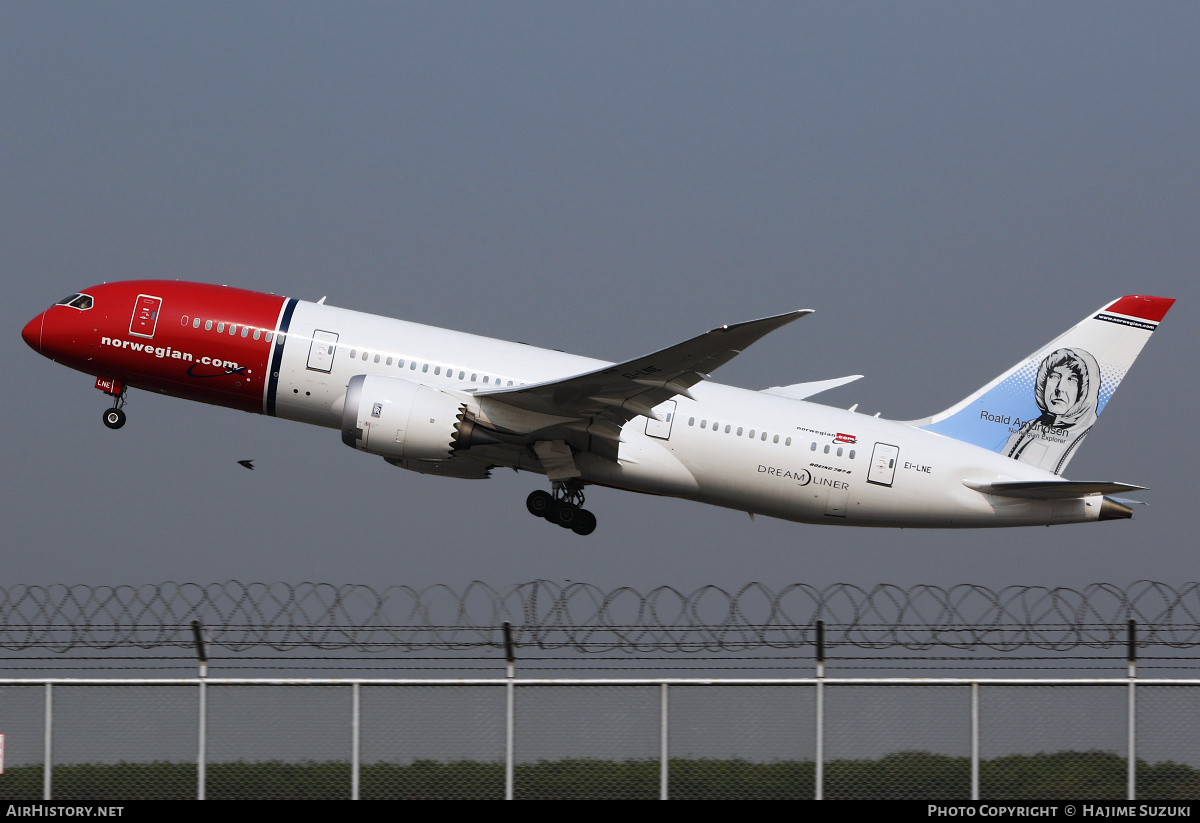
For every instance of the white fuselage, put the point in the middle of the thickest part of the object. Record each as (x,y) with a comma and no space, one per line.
(730,447)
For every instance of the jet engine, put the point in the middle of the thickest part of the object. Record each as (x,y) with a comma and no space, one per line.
(403,421)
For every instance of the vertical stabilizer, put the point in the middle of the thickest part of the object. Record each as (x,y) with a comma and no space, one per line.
(1040,410)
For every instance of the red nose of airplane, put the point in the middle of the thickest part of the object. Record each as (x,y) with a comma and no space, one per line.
(32,333)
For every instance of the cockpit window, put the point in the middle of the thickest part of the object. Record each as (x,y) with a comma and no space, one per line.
(76,301)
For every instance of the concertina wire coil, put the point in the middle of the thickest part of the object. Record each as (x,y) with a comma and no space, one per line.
(585,618)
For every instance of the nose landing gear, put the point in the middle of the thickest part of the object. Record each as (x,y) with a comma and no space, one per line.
(564,507)
(114,417)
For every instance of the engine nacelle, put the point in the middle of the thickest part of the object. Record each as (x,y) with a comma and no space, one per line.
(400,420)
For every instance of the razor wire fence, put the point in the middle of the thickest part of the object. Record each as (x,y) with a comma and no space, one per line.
(585,618)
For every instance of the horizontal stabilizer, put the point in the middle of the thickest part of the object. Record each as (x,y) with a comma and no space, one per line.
(799,391)
(1049,489)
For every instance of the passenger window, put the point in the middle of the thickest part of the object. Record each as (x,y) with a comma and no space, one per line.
(474,378)
(400,363)
(691,421)
(839,451)
(510,382)
(852,454)
(776,439)
(764,437)
(245,331)
(461,375)
(389,362)
(751,434)
(257,334)
(438,370)
(425,369)
(268,336)
(787,442)
(196,323)
(727,428)
(376,358)
(704,424)
(739,434)
(412,366)
(232,329)
(353,353)
(364,357)
(220,328)
(827,449)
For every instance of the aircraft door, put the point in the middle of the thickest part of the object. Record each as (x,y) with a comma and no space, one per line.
(662,428)
(145,315)
(883,464)
(320,352)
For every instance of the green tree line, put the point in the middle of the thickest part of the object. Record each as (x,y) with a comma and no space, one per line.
(1070,775)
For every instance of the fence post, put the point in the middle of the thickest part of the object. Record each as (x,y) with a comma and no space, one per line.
(202,724)
(974,741)
(201,651)
(1131,745)
(510,665)
(355,744)
(664,746)
(47,747)
(202,743)
(819,788)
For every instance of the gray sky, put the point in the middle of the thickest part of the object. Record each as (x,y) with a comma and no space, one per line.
(948,185)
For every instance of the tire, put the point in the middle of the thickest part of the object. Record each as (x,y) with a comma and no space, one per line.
(566,515)
(585,523)
(114,418)
(539,503)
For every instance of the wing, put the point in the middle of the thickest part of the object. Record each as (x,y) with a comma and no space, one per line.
(588,410)
(626,390)
(799,391)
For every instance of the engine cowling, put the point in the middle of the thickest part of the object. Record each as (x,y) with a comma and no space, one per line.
(400,420)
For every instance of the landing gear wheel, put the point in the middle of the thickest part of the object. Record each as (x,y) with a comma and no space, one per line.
(566,515)
(539,503)
(585,522)
(115,419)
(564,507)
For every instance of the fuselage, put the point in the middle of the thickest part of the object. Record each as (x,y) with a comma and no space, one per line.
(740,449)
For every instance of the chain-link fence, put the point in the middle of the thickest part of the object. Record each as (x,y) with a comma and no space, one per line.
(928,739)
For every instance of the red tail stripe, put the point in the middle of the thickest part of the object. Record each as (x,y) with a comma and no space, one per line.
(1142,306)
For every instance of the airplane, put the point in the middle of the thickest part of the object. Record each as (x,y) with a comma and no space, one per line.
(458,405)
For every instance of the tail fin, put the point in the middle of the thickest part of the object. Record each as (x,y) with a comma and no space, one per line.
(1038,411)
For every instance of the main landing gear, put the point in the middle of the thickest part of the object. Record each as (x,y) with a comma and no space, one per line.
(564,507)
